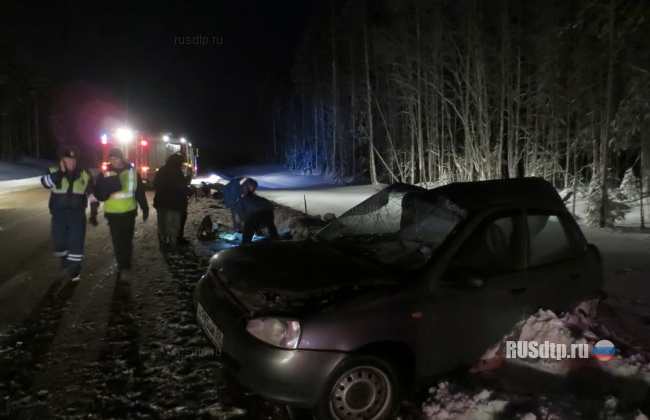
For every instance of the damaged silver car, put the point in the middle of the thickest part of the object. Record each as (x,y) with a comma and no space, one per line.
(407,285)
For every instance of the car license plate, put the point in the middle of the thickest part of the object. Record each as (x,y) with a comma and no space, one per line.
(209,327)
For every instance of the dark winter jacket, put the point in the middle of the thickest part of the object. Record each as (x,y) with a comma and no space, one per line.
(171,186)
(249,204)
(235,189)
(107,185)
(69,200)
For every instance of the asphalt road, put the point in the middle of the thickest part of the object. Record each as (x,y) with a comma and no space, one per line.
(113,349)
(28,272)
(24,230)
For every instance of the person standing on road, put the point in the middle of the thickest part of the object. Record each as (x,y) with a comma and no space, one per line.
(188,180)
(122,191)
(170,201)
(235,189)
(256,213)
(72,188)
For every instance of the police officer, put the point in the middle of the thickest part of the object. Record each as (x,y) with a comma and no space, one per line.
(72,188)
(255,213)
(122,190)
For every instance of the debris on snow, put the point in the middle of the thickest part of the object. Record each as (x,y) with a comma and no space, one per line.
(446,402)
(627,375)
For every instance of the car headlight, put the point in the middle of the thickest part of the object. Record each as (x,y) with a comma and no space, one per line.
(278,332)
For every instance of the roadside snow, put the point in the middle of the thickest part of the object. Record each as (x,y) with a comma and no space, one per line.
(275,176)
(16,176)
(449,402)
(628,374)
(632,218)
(19,184)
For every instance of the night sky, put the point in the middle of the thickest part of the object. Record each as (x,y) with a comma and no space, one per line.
(100,56)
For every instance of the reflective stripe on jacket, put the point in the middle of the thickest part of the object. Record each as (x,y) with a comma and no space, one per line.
(123,201)
(65,197)
(78,186)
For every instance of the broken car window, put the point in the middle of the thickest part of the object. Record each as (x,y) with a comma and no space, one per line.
(399,227)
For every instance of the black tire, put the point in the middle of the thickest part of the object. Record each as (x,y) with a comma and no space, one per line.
(361,387)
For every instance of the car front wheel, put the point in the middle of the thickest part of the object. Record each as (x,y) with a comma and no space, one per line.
(363,387)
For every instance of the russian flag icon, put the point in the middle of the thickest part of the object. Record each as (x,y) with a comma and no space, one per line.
(604,350)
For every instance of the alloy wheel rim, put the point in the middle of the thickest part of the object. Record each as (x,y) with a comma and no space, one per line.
(361,393)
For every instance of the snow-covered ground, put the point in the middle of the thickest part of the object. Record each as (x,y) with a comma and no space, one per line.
(157,316)
(550,389)
(25,173)
(318,194)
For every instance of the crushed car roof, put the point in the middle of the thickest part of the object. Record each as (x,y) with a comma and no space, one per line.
(473,196)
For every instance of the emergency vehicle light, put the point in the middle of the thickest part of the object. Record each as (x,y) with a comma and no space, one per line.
(144,142)
(124,134)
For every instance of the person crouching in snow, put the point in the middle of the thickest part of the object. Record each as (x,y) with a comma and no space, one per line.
(255,213)
(235,189)
(170,201)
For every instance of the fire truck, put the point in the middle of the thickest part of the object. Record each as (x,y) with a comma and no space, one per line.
(148,152)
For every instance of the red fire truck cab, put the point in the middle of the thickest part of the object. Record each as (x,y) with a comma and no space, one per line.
(148,153)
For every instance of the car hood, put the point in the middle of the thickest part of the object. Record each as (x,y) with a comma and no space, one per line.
(287,275)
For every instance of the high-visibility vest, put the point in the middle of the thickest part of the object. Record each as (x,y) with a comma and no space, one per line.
(78,186)
(123,200)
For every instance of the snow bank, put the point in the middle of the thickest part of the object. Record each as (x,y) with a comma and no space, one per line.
(19,184)
(449,402)
(275,176)
(210,179)
(542,327)
(21,175)
(571,328)
(626,374)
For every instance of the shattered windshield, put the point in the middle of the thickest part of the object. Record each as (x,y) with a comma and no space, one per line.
(399,226)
